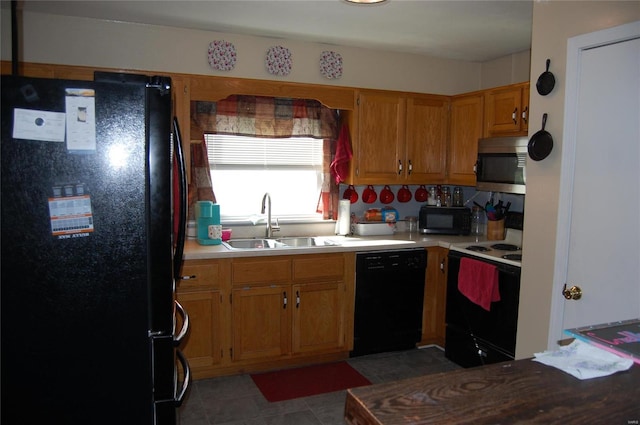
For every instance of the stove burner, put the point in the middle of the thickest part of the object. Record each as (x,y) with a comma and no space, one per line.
(478,248)
(505,247)
(514,257)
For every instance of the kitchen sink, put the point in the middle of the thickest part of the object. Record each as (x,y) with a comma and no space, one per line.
(285,242)
(297,241)
(253,244)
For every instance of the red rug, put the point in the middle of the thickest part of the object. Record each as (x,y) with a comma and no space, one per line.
(305,381)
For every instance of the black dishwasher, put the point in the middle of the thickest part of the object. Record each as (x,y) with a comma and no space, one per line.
(389,300)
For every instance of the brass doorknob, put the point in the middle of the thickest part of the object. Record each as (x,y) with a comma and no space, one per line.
(573,293)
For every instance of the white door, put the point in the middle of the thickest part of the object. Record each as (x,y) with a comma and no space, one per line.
(599,220)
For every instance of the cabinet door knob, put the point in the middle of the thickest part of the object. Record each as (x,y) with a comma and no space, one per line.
(399,166)
(410,168)
(514,116)
(573,293)
(524,114)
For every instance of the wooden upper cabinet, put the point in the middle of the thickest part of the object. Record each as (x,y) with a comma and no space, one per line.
(426,139)
(401,138)
(507,110)
(466,129)
(379,148)
(524,115)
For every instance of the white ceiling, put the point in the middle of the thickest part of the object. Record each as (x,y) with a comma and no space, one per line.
(473,30)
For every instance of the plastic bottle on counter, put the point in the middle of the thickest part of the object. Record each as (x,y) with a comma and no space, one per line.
(476,221)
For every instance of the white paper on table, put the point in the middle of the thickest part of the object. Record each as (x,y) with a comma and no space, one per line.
(34,124)
(584,361)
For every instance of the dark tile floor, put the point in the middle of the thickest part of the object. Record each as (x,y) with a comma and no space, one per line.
(235,400)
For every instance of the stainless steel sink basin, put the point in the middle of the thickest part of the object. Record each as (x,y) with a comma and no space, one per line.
(286,242)
(297,241)
(253,244)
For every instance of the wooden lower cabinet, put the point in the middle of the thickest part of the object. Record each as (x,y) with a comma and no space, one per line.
(435,292)
(260,322)
(202,292)
(202,344)
(267,312)
(318,317)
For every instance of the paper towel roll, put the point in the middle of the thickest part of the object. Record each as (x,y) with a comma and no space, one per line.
(343,225)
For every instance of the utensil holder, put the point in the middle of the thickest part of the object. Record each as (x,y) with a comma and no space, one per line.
(495,230)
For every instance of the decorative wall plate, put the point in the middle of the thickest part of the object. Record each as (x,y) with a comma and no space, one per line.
(222,55)
(278,60)
(331,64)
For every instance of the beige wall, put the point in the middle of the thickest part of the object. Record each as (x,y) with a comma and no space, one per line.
(554,22)
(79,41)
(505,70)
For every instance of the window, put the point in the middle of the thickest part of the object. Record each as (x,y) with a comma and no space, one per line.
(244,168)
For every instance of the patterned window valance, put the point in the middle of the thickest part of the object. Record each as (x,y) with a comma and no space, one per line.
(264,117)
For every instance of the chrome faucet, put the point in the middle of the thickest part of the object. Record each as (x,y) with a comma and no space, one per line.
(270,227)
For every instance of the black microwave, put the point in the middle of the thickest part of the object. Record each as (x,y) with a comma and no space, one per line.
(444,220)
(501,164)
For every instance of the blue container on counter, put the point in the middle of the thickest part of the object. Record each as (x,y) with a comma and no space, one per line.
(208,223)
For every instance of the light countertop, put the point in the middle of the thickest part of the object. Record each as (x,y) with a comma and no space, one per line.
(195,251)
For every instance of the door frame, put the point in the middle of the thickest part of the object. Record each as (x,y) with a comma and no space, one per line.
(575,47)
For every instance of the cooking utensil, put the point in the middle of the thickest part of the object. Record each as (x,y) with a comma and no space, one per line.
(541,143)
(386,195)
(351,194)
(546,81)
(369,195)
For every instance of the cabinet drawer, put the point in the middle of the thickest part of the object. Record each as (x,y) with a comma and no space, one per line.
(318,266)
(200,274)
(270,270)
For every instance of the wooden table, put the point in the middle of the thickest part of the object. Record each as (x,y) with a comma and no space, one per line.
(521,391)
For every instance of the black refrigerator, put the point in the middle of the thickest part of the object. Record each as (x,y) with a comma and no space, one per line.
(93,206)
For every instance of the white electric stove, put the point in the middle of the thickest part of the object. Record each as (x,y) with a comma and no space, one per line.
(508,251)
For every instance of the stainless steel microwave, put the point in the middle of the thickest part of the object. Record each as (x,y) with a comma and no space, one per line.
(501,164)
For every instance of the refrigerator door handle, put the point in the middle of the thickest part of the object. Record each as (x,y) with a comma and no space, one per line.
(185,324)
(182,210)
(179,397)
